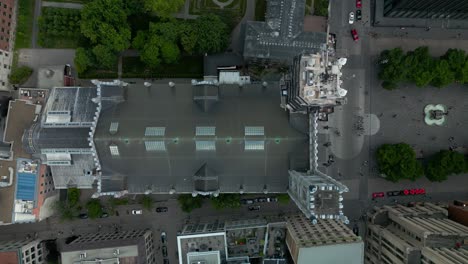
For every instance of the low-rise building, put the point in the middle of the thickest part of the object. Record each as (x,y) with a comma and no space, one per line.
(421,233)
(130,247)
(22,252)
(327,241)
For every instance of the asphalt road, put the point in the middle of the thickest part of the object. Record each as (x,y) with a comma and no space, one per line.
(169,222)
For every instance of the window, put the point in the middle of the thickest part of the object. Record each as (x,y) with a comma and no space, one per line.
(205,145)
(114,150)
(254,145)
(205,131)
(155,131)
(254,131)
(155,145)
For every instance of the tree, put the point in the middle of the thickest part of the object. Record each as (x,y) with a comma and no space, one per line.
(83,59)
(445,163)
(105,22)
(211,34)
(147,202)
(398,161)
(94,208)
(169,30)
(188,203)
(105,56)
(226,201)
(391,62)
(188,38)
(66,212)
(73,196)
(389,85)
(19,75)
(169,51)
(140,40)
(163,8)
(419,65)
(443,75)
(150,53)
(456,59)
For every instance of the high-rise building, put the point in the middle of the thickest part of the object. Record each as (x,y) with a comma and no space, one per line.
(135,247)
(318,196)
(418,234)
(327,241)
(447,9)
(22,252)
(7,33)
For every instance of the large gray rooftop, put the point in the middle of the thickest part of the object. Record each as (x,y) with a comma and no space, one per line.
(281,36)
(149,142)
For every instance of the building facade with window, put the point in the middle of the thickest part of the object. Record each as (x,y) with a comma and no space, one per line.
(435,9)
(418,234)
(7,33)
(22,252)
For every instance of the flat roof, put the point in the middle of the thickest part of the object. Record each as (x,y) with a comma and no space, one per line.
(161,162)
(20,116)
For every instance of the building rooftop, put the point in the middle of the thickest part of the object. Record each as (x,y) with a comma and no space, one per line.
(210,247)
(20,116)
(281,36)
(244,140)
(70,106)
(9,257)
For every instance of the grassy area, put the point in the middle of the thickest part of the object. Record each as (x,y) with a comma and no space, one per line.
(59,28)
(187,67)
(260,9)
(321,8)
(24,24)
(200,7)
(308,6)
(72,1)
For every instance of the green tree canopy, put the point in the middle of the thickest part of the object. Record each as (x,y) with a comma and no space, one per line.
(419,65)
(105,22)
(169,51)
(391,62)
(73,196)
(105,56)
(211,32)
(94,208)
(151,53)
(445,163)
(442,74)
(226,201)
(456,60)
(398,161)
(139,40)
(147,202)
(163,8)
(83,59)
(188,203)
(19,75)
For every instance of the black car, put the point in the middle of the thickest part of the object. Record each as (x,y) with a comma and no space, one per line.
(247,201)
(164,251)
(161,209)
(165,261)
(356,230)
(358,14)
(394,193)
(83,216)
(254,208)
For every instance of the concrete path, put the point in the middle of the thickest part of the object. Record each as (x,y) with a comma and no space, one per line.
(35,29)
(62,5)
(185,14)
(237,41)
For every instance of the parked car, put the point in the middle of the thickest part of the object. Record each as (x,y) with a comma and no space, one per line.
(163,237)
(358,3)
(104,215)
(273,199)
(354,34)
(358,14)
(254,208)
(164,251)
(83,216)
(161,209)
(394,193)
(137,212)
(351,18)
(378,195)
(356,230)
(247,201)
(262,200)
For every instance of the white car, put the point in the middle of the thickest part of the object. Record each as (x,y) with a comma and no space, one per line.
(137,212)
(351,17)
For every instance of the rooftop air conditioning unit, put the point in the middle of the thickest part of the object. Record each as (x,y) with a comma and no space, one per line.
(83,255)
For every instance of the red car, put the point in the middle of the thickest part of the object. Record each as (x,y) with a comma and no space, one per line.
(355,35)
(358,4)
(378,195)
